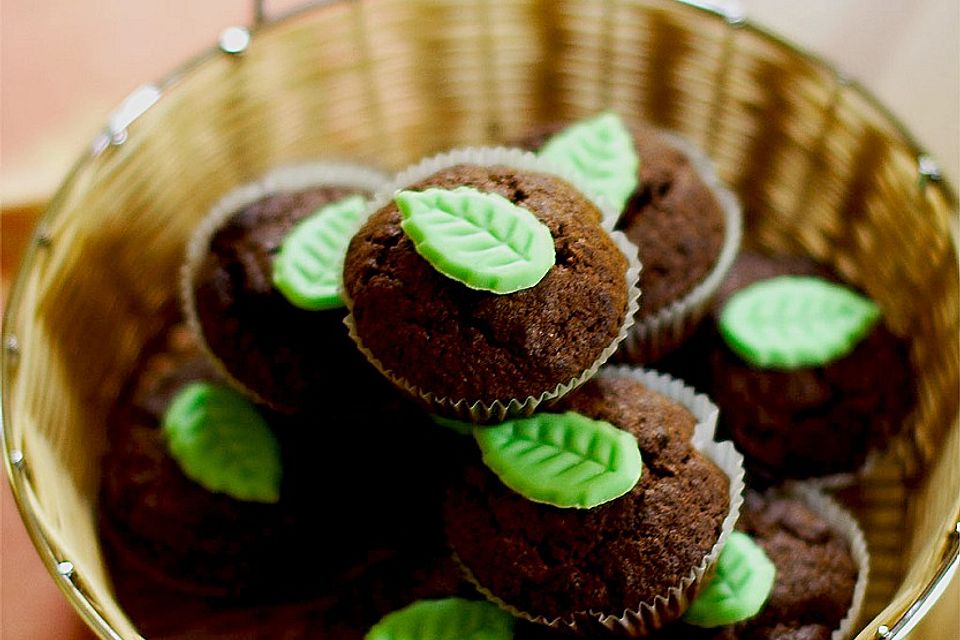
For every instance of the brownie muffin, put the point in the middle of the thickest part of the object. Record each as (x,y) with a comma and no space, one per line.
(780,419)
(288,357)
(552,563)
(673,217)
(436,336)
(351,482)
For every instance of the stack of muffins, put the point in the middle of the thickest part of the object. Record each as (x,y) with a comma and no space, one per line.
(411,407)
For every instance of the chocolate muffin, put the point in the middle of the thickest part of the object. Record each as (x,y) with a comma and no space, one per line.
(434,335)
(195,541)
(780,419)
(288,357)
(152,516)
(553,563)
(673,217)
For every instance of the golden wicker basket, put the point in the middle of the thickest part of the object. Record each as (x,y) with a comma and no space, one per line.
(820,167)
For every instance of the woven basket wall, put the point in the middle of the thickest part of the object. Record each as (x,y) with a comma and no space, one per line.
(820,169)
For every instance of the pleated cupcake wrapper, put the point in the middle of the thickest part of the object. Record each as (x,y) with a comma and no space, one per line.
(664,608)
(843,523)
(653,336)
(498,410)
(286,179)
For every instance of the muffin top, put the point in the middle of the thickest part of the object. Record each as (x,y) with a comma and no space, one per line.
(288,356)
(672,217)
(443,337)
(553,562)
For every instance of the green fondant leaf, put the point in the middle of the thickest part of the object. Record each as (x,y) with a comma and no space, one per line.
(479,239)
(223,443)
(463,428)
(792,322)
(307,269)
(739,588)
(447,619)
(602,152)
(562,459)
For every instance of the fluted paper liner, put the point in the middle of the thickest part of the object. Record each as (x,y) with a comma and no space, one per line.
(664,608)
(286,179)
(497,410)
(653,336)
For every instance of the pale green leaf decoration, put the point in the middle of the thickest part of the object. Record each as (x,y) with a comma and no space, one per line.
(223,443)
(738,590)
(602,152)
(481,240)
(457,426)
(792,322)
(562,459)
(307,269)
(447,619)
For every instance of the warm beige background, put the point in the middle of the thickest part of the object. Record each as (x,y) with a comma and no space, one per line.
(64,64)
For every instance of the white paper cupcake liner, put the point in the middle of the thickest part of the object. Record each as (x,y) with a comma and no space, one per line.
(653,336)
(497,410)
(664,608)
(286,179)
(844,524)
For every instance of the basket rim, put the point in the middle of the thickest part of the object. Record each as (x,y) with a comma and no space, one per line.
(59,568)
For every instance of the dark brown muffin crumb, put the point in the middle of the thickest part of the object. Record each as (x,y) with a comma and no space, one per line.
(553,562)
(457,342)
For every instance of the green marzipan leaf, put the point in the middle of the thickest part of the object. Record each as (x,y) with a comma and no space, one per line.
(307,269)
(448,619)
(223,443)
(457,426)
(791,322)
(600,150)
(739,588)
(481,240)
(562,459)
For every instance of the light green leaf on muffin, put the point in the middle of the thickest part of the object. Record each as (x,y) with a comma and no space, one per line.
(738,590)
(562,459)
(792,322)
(222,442)
(457,426)
(601,151)
(307,269)
(447,619)
(481,240)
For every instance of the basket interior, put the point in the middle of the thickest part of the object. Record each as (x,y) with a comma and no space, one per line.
(820,169)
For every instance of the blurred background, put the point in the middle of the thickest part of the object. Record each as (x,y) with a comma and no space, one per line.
(65,64)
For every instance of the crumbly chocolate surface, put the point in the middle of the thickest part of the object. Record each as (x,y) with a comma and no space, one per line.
(554,562)
(782,420)
(457,342)
(290,357)
(673,217)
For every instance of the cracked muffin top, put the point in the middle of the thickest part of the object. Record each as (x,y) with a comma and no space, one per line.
(445,338)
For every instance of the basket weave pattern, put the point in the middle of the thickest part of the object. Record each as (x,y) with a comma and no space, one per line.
(819,168)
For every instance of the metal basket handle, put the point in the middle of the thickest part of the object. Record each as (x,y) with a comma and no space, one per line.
(930,595)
